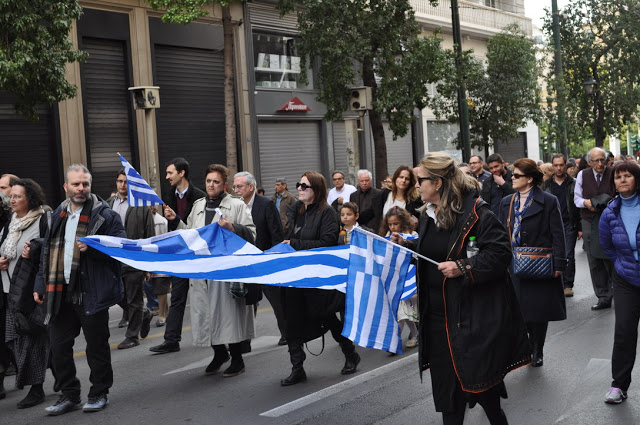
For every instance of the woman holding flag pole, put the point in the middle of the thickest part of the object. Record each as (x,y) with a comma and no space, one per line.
(471,331)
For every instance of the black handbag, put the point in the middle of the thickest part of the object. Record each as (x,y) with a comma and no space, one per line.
(530,262)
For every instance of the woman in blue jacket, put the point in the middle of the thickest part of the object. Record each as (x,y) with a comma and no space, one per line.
(620,238)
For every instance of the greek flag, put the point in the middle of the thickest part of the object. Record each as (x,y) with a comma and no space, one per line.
(375,284)
(139,193)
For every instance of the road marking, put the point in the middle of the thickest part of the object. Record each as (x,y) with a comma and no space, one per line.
(269,343)
(341,386)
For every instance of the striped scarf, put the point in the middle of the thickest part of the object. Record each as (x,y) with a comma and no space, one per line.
(517,223)
(55,287)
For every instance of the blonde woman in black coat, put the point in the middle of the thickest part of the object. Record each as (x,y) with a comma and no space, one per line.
(536,222)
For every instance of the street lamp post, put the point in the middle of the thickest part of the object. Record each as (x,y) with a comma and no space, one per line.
(591,89)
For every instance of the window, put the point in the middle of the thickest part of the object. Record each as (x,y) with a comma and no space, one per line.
(277,62)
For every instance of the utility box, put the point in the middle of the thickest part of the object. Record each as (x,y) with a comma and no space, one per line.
(146,97)
(361,99)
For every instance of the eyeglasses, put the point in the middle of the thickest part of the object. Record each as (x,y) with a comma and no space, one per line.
(474,163)
(302,186)
(517,176)
(238,186)
(599,160)
(421,179)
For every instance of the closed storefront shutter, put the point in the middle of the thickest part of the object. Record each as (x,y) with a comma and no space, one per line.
(108,113)
(515,149)
(288,149)
(268,16)
(190,122)
(340,147)
(30,149)
(399,151)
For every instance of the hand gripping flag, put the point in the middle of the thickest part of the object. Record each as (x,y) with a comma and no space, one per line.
(139,193)
(376,278)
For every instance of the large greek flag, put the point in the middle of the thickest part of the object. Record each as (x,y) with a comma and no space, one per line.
(375,284)
(139,193)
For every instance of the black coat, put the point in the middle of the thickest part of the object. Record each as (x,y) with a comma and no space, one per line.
(20,298)
(193,194)
(268,224)
(306,308)
(541,300)
(486,332)
(372,216)
(575,221)
(489,187)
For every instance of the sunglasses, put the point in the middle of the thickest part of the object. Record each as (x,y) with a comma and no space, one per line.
(517,176)
(421,179)
(302,186)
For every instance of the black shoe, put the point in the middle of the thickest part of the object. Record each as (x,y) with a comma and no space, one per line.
(216,363)
(601,306)
(96,404)
(166,347)
(63,405)
(537,361)
(235,368)
(146,324)
(35,397)
(351,363)
(128,343)
(123,323)
(282,341)
(296,377)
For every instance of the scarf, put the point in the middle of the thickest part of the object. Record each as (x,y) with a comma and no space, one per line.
(515,236)
(55,280)
(16,226)
(210,207)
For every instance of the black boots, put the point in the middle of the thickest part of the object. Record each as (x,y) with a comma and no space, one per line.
(297,376)
(220,357)
(237,364)
(297,355)
(352,358)
(35,397)
(537,334)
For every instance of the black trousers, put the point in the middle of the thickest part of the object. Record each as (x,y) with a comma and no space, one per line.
(133,302)
(274,295)
(65,327)
(6,357)
(179,292)
(625,339)
(600,269)
(570,238)
(490,402)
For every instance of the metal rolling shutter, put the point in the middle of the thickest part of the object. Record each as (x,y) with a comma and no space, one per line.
(288,149)
(514,149)
(340,147)
(190,121)
(30,149)
(108,121)
(269,17)
(399,151)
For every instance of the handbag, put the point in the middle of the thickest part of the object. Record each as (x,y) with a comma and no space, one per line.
(530,262)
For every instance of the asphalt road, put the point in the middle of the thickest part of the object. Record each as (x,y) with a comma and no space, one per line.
(172,388)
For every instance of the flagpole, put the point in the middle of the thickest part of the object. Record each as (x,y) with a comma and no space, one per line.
(413,253)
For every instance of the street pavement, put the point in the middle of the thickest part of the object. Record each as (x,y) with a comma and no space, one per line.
(172,388)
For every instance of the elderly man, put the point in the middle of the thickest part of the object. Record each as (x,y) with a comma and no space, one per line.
(268,234)
(340,192)
(365,193)
(283,199)
(594,188)
(477,168)
(500,185)
(79,285)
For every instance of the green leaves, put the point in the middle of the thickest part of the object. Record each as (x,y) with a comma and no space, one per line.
(34,49)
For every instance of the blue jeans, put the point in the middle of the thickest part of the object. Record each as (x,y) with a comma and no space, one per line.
(152,300)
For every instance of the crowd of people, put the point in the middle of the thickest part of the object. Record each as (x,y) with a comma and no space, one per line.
(477,314)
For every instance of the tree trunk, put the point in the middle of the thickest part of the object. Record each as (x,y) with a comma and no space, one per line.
(377,130)
(229,95)
(600,132)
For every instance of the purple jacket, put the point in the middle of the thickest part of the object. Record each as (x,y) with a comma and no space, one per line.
(615,243)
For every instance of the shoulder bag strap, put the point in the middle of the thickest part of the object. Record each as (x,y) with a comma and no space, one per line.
(509,218)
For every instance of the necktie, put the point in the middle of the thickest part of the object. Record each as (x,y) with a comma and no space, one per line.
(598,180)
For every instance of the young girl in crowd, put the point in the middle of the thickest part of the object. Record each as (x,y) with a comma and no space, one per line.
(348,216)
(398,220)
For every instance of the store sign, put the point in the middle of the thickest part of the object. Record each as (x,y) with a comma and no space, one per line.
(294,105)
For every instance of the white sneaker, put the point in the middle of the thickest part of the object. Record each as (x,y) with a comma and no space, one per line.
(615,396)
(412,342)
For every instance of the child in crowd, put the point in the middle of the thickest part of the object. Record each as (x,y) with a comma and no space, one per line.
(398,220)
(161,282)
(348,216)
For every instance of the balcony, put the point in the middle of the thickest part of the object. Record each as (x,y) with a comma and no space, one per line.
(475,19)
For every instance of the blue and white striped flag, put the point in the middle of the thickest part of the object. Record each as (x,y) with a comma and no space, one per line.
(377,274)
(139,193)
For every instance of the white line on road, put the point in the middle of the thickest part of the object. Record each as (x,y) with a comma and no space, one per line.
(334,389)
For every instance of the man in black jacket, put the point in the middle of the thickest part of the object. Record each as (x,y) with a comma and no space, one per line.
(363,197)
(563,186)
(138,223)
(268,234)
(499,184)
(180,199)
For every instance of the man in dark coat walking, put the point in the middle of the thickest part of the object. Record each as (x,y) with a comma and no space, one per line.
(498,185)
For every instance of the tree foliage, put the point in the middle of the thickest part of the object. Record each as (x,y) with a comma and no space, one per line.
(373,43)
(502,95)
(601,40)
(34,49)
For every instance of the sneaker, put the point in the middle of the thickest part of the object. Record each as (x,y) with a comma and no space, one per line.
(161,322)
(96,404)
(412,342)
(568,292)
(63,405)
(615,396)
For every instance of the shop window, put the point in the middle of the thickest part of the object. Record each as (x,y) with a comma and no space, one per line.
(277,63)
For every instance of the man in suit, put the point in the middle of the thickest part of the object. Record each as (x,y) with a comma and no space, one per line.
(138,223)
(180,199)
(268,233)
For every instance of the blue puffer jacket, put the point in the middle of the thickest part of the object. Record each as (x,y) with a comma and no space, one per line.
(615,243)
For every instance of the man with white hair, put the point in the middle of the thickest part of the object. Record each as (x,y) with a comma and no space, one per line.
(365,193)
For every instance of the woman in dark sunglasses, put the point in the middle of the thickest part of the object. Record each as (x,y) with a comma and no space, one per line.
(309,312)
